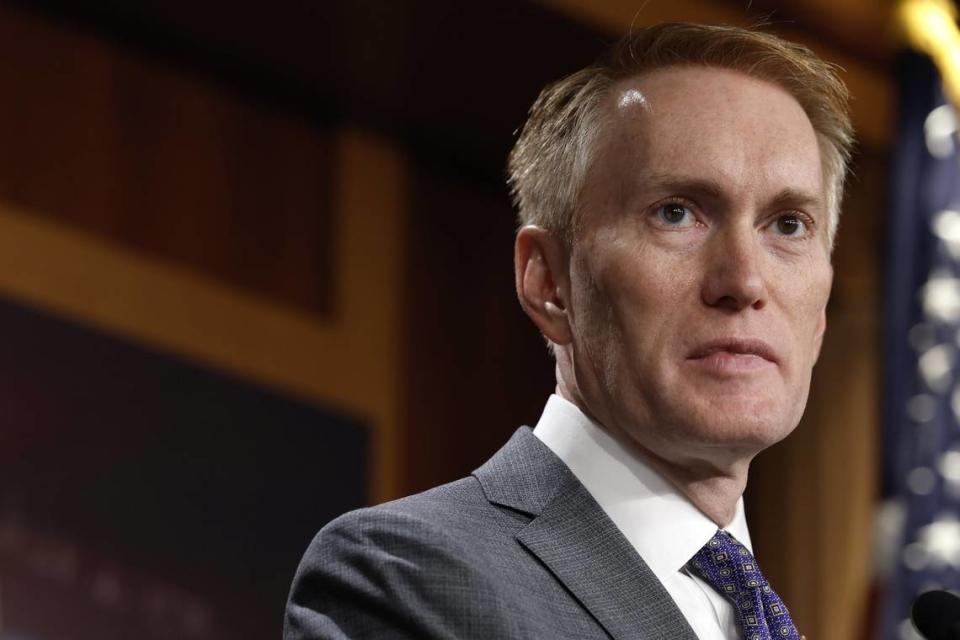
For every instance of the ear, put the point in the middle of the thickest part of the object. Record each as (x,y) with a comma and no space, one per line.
(540,262)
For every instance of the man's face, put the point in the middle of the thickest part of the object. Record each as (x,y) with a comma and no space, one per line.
(700,272)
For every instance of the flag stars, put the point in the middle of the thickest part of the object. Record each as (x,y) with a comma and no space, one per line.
(949,467)
(922,407)
(922,481)
(941,298)
(936,366)
(941,541)
(923,335)
(946,226)
(938,129)
(955,402)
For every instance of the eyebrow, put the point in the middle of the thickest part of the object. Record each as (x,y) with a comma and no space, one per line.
(682,184)
(796,198)
(787,196)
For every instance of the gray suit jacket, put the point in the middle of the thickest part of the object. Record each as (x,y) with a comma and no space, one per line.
(518,550)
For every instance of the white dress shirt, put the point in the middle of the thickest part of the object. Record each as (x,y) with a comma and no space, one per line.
(660,522)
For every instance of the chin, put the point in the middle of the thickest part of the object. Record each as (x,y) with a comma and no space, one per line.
(752,433)
(747,423)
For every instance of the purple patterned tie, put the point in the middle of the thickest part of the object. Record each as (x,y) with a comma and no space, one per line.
(730,568)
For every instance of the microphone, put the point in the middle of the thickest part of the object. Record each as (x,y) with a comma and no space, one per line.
(937,615)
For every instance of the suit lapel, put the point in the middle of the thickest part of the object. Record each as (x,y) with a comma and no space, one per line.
(580,545)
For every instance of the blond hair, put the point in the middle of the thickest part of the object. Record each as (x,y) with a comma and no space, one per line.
(549,162)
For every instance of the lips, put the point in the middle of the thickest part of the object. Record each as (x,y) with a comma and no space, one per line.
(737,350)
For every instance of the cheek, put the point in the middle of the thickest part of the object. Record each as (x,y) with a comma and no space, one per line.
(641,272)
(646,307)
(809,316)
(608,298)
(632,297)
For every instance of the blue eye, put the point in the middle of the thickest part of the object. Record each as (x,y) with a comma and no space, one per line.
(790,225)
(675,214)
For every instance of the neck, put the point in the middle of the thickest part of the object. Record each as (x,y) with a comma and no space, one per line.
(714,491)
(714,488)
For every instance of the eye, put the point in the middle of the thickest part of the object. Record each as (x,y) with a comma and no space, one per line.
(790,225)
(674,214)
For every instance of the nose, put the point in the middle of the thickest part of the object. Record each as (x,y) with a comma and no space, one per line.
(734,278)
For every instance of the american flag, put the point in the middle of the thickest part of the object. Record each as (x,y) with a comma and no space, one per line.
(922,372)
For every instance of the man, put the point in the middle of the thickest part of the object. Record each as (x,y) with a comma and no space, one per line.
(678,206)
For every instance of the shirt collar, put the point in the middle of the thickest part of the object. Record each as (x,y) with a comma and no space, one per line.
(663,526)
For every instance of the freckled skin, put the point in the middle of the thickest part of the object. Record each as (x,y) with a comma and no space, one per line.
(643,294)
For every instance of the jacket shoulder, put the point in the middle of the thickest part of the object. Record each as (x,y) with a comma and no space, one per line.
(410,568)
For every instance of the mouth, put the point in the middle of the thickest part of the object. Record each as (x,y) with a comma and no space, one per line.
(734,355)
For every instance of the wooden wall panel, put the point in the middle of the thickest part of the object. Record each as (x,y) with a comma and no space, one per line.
(350,360)
(477,367)
(164,162)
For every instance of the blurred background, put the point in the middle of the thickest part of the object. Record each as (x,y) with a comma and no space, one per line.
(256,270)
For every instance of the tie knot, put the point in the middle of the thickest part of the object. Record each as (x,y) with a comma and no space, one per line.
(731,569)
(732,563)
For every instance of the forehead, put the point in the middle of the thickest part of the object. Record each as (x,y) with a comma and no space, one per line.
(711,123)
